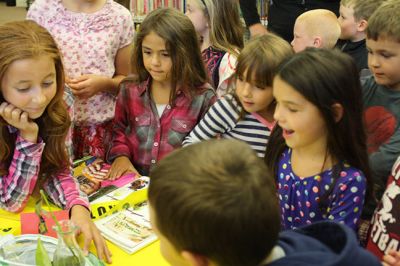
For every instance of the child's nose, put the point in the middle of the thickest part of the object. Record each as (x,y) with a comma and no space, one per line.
(40,98)
(247,89)
(277,113)
(374,61)
(155,60)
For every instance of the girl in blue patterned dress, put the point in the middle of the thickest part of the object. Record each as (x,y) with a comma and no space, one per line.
(318,150)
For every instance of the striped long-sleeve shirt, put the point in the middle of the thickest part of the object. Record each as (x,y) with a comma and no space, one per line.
(223,120)
(23,174)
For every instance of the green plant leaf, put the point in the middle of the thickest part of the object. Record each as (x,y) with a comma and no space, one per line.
(42,258)
(43,196)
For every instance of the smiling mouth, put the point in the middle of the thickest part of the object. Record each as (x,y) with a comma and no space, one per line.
(287,132)
(248,103)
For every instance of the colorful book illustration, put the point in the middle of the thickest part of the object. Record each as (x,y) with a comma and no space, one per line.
(108,196)
(130,229)
(91,176)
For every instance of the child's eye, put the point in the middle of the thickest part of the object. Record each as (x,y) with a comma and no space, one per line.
(292,110)
(165,54)
(146,52)
(385,55)
(23,89)
(47,84)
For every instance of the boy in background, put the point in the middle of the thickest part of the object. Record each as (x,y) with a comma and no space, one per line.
(384,236)
(353,20)
(381,97)
(315,28)
(212,203)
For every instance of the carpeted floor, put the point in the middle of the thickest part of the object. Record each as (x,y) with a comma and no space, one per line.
(11,13)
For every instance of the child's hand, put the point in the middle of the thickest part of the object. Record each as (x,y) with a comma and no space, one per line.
(392,258)
(88,85)
(121,165)
(81,217)
(19,119)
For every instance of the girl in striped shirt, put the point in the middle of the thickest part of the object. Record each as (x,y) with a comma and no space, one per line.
(247,113)
(34,125)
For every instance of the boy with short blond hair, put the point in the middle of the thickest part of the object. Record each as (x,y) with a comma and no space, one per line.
(353,20)
(315,28)
(213,203)
(381,94)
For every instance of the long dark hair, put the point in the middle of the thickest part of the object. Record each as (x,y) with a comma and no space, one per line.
(188,72)
(327,77)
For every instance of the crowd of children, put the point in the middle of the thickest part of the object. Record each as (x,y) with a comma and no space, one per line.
(314,160)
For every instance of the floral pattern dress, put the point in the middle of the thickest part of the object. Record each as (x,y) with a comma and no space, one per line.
(89,43)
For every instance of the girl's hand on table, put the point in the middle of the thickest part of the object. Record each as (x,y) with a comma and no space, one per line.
(81,217)
(121,165)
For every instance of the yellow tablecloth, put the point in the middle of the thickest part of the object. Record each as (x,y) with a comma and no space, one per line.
(148,256)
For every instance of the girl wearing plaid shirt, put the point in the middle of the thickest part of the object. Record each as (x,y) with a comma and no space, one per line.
(34,124)
(169,96)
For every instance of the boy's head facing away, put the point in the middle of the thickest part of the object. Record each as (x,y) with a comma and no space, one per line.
(315,28)
(353,18)
(213,202)
(383,44)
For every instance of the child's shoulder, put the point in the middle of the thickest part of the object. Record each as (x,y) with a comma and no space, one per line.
(119,9)
(351,178)
(205,89)
(132,85)
(375,93)
(48,8)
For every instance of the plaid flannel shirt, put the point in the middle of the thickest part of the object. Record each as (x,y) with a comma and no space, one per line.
(19,183)
(144,136)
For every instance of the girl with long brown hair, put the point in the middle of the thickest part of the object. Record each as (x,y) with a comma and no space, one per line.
(34,125)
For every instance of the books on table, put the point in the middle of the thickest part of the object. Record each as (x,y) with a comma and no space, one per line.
(130,228)
(108,196)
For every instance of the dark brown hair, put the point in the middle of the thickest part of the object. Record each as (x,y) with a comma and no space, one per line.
(326,77)
(188,72)
(215,199)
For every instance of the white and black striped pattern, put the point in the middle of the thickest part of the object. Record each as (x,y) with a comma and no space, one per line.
(223,120)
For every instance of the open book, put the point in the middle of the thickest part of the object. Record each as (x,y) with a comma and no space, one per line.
(90,174)
(129,229)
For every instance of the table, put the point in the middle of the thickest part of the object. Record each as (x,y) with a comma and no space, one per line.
(150,255)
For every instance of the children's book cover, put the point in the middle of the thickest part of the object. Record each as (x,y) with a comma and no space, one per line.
(91,175)
(129,229)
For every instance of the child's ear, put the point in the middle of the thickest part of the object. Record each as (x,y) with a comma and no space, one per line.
(337,110)
(317,42)
(194,259)
(362,25)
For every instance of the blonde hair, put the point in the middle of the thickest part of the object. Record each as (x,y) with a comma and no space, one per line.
(363,9)
(322,23)
(23,40)
(226,29)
